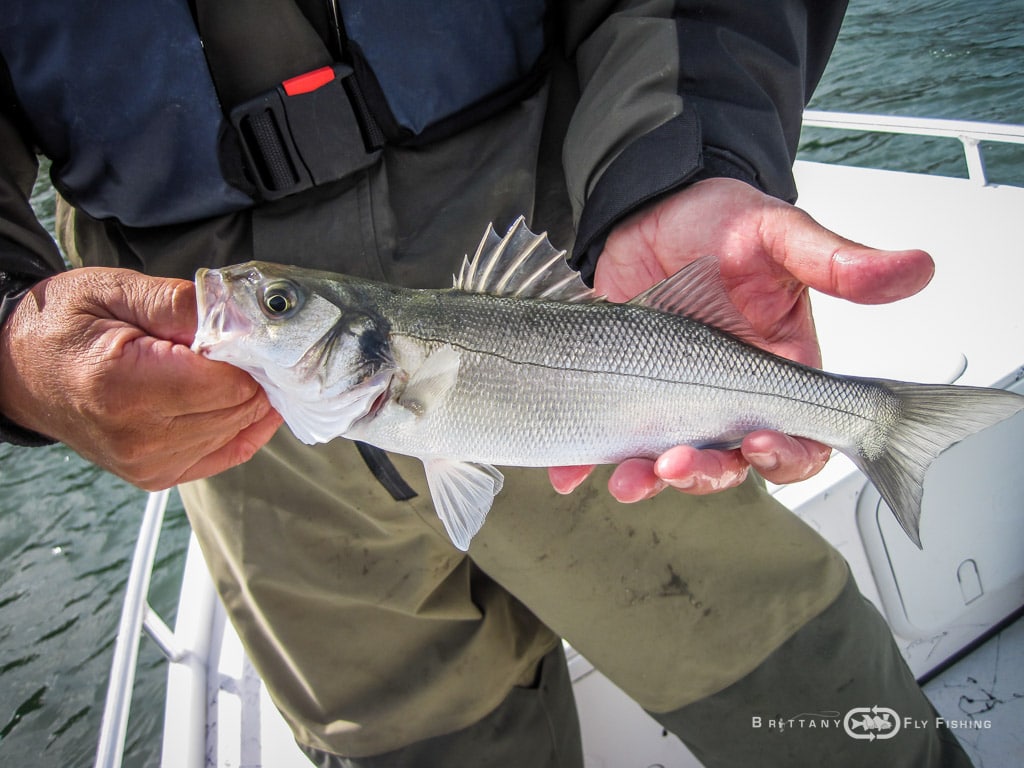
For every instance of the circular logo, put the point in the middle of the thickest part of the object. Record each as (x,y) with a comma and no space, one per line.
(870,723)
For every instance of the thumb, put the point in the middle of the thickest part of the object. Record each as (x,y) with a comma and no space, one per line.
(847,270)
(164,308)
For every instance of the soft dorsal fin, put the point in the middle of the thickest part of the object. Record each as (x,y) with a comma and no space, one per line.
(697,291)
(524,265)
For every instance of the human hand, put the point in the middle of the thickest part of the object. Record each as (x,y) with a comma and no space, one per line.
(769,253)
(99,359)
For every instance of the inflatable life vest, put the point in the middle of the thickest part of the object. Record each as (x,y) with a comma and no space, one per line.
(121,97)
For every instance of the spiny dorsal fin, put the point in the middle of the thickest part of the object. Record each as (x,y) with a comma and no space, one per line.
(524,265)
(697,291)
(527,266)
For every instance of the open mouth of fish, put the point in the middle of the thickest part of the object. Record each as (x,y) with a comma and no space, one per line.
(218,320)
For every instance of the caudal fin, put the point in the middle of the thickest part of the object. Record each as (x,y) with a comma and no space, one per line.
(933,418)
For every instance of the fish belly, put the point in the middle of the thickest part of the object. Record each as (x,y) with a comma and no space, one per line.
(523,414)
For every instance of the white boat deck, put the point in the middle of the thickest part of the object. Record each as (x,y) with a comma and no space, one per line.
(962,594)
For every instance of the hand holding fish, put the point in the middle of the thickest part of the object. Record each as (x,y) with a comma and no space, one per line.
(99,359)
(769,253)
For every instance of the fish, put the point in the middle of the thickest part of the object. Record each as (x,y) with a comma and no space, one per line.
(520,363)
(869,723)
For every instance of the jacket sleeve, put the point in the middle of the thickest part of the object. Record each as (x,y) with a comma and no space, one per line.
(673,92)
(27,253)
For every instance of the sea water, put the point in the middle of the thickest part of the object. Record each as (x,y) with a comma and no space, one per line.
(67,529)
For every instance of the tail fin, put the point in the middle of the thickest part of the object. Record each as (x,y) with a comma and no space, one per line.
(933,418)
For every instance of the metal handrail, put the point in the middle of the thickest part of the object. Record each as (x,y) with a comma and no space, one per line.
(969,133)
(114,726)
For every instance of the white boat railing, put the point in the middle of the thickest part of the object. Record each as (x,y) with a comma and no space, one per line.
(137,615)
(970,134)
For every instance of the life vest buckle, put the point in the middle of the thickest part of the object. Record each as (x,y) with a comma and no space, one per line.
(303,133)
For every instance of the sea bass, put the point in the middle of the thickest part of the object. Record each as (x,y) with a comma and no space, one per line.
(521,364)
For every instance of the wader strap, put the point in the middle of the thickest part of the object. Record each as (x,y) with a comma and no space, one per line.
(291,105)
(252,46)
(386,472)
(298,116)
(303,133)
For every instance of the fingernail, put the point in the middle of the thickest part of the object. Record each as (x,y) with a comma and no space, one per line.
(565,489)
(683,483)
(766,462)
(565,480)
(653,491)
(647,493)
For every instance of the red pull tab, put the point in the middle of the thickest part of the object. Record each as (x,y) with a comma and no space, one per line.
(308,82)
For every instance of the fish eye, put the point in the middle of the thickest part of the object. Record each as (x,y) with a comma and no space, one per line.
(280,300)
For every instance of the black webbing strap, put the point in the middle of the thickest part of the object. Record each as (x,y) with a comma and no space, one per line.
(253,45)
(303,133)
(386,472)
(298,115)
(291,104)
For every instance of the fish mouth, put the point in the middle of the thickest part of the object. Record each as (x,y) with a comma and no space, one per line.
(218,320)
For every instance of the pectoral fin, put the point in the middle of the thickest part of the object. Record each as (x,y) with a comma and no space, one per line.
(429,383)
(462,494)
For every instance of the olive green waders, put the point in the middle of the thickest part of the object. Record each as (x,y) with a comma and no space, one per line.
(373,633)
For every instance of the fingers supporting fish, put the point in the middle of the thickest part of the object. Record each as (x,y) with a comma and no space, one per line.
(777,457)
(700,472)
(782,458)
(565,480)
(635,480)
